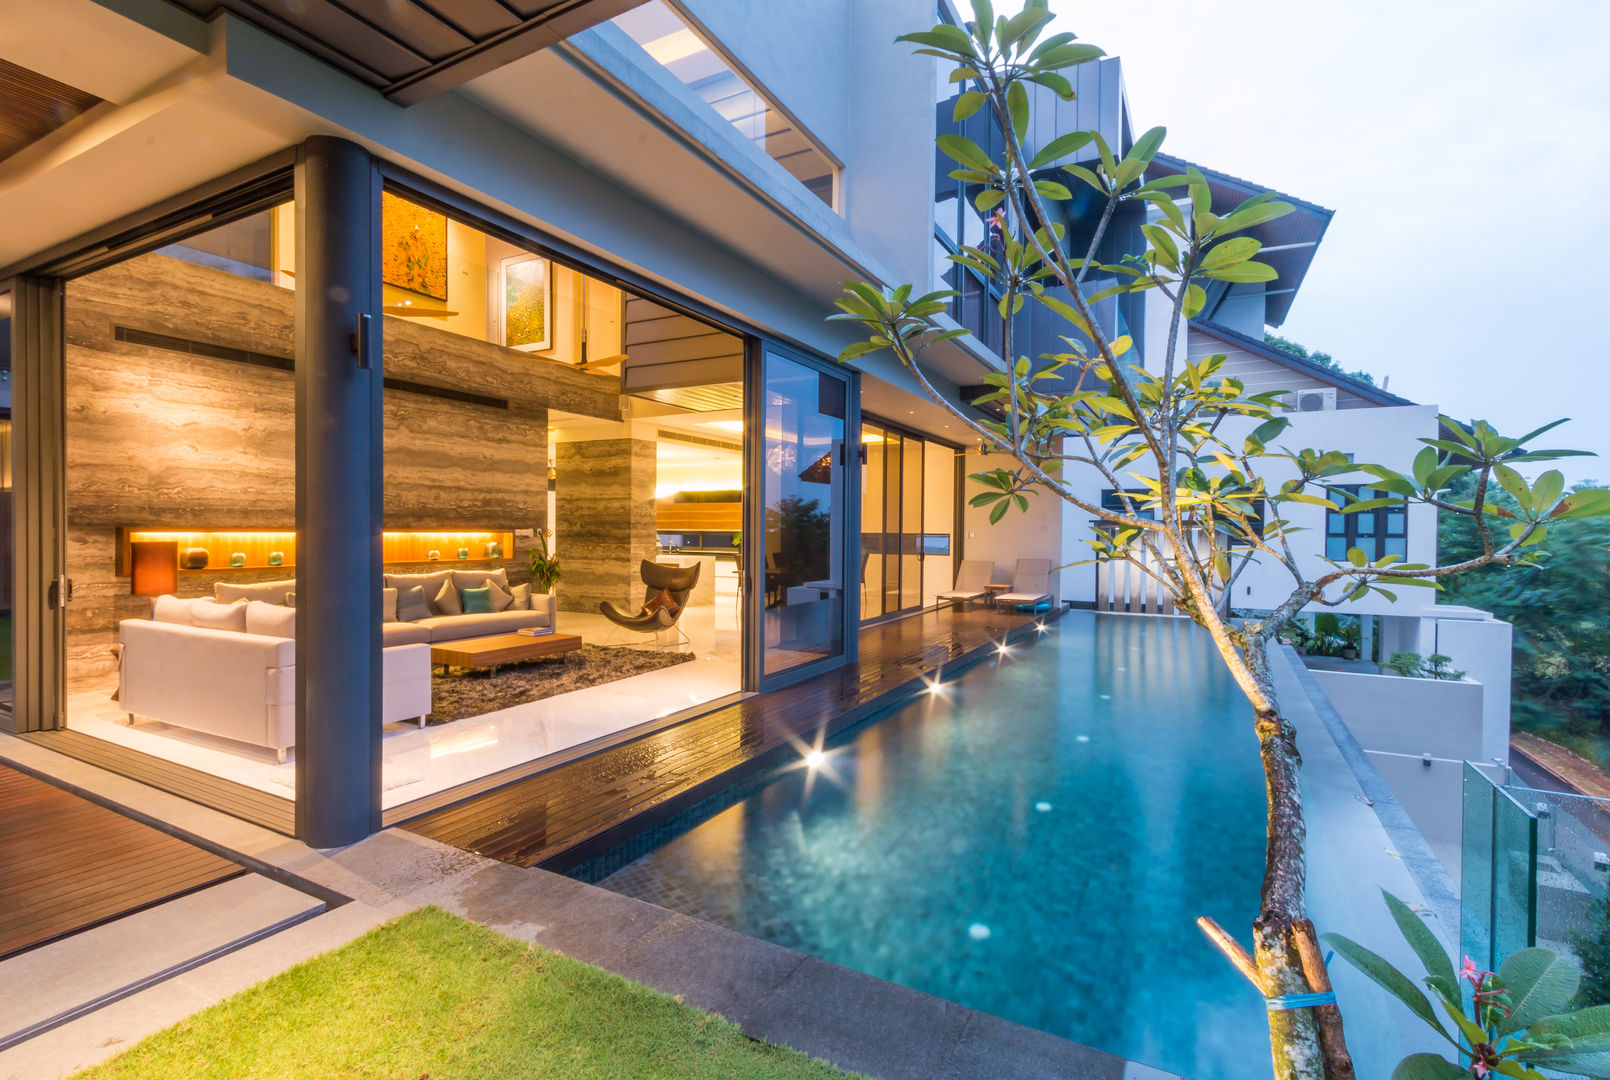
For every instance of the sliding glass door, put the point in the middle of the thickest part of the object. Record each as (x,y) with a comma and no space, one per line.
(803,487)
(907,520)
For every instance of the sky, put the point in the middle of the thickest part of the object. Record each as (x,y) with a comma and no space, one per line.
(1465,148)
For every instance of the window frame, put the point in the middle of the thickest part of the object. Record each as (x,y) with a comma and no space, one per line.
(1373,541)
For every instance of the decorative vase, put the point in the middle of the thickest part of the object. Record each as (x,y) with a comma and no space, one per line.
(464,553)
(193,558)
(276,558)
(237,558)
(494,550)
(432,555)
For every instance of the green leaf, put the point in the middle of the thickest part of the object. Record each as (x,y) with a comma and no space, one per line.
(966,152)
(1195,301)
(1425,945)
(943,36)
(1384,975)
(999,512)
(966,105)
(1591,502)
(1253,216)
(1050,189)
(1540,982)
(1573,1025)
(989,199)
(1547,490)
(1244,272)
(1065,56)
(1269,429)
(1428,1067)
(1058,148)
(1017,107)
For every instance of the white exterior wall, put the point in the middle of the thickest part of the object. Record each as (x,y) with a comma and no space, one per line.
(1036,534)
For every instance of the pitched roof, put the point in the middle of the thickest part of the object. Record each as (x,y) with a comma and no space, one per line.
(1289,243)
(1373,394)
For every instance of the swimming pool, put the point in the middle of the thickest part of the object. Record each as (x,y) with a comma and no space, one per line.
(1035,842)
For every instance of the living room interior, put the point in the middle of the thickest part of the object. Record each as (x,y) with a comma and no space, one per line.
(530,409)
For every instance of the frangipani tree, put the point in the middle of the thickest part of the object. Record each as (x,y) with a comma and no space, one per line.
(1209,480)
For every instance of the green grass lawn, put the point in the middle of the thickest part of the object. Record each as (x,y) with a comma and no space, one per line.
(435,996)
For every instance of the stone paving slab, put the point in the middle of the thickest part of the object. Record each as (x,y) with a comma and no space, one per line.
(57,981)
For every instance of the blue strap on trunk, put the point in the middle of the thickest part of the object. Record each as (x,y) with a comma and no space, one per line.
(1299,1001)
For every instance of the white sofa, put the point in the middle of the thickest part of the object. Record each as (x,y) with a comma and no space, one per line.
(230,670)
(437,626)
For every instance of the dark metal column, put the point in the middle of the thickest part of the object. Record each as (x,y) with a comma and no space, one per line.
(39,505)
(338,493)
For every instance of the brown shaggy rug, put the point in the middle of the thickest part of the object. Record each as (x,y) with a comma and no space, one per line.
(461,693)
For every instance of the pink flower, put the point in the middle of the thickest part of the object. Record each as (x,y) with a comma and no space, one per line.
(1470,971)
(1479,1067)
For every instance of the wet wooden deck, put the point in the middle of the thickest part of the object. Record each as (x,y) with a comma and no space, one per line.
(67,864)
(562,816)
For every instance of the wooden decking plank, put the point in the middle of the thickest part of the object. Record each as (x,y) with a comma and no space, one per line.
(538,817)
(71,864)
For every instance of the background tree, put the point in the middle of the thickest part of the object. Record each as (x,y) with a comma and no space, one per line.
(1560,609)
(1200,445)
(1323,359)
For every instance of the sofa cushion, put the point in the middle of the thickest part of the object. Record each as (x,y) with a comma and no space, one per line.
(501,598)
(271,620)
(171,609)
(520,597)
(412,603)
(403,633)
(447,601)
(271,592)
(431,582)
(457,627)
(474,579)
(215,616)
(477,601)
(388,605)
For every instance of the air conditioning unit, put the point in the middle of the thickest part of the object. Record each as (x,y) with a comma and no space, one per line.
(1314,400)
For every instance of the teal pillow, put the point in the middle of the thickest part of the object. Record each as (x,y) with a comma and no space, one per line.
(477,601)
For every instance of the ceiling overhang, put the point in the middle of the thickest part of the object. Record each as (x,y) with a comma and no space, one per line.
(411,50)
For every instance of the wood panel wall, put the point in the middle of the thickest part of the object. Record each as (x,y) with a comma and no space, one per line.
(169,439)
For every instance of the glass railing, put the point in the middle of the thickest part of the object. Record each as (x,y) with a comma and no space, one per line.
(1534,871)
(682,51)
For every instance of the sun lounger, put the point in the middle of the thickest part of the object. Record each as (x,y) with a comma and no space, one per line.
(971,582)
(1031,584)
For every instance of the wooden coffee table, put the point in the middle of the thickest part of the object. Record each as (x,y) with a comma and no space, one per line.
(499,649)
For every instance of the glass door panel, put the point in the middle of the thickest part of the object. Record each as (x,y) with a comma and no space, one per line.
(892,472)
(803,487)
(874,446)
(911,525)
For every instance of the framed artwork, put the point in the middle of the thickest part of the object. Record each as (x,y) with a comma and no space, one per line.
(413,247)
(524,318)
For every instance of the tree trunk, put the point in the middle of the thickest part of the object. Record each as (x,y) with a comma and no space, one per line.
(1304,1046)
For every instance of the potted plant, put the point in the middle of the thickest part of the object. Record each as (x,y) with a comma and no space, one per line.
(545,571)
(1351,636)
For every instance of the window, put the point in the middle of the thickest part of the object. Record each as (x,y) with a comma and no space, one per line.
(682,51)
(1378,533)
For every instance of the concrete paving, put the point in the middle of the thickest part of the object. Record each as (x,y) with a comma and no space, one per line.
(774,994)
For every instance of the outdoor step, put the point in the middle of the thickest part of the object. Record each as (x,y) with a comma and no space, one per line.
(54,983)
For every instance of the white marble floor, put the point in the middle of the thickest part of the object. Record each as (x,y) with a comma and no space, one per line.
(419,762)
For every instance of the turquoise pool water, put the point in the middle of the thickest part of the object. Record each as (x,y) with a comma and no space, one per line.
(1036,842)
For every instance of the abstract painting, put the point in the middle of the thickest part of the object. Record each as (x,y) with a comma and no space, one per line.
(413,247)
(527,300)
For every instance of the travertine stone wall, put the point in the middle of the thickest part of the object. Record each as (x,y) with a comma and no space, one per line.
(160,438)
(604,521)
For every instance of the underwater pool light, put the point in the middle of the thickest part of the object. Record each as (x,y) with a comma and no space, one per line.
(814,759)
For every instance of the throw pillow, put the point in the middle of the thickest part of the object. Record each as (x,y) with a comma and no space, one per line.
(520,598)
(447,602)
(270,620)
(388,605)
(172,609)
(662,599)
(477,601)
(216,616)
(412,604)
(501,599)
